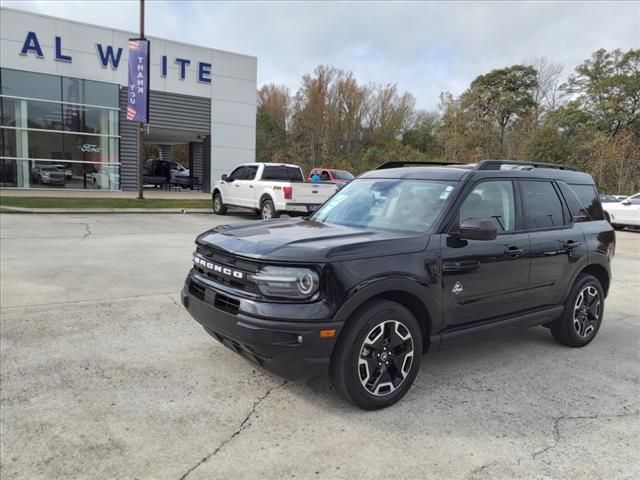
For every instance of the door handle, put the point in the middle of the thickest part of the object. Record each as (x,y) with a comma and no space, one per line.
(237,186)
(513,251)
(571,244)
(250,186)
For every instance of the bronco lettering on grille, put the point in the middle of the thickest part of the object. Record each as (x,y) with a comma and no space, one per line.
(215,268)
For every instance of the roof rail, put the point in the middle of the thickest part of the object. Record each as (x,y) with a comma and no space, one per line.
(496,164)
(402,163)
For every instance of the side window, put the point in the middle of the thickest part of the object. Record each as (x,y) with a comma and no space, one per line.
(237,174)
(250,173)
(542,206)
(324,177)
(589,200)
(494,200)
(576,208)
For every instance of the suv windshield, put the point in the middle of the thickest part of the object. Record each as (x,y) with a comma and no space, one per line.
(387,204)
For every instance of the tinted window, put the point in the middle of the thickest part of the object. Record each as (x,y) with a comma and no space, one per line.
(250,172)
(289,174)
(494,200)
(237,174)
(577,210)
(542,206)
(45,115)
(588,197)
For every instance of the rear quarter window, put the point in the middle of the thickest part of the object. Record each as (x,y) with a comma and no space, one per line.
(287,174)
(589,200)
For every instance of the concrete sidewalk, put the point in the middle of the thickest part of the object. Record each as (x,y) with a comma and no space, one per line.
(103,210)
(61,193)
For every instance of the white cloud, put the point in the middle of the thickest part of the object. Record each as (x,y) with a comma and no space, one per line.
(425,48)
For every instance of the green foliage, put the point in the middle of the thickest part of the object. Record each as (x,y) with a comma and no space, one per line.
(520,112)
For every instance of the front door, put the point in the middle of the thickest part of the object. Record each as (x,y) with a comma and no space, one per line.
(245,189)
(486,279)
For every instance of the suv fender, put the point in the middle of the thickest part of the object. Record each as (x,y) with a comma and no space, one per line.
(417,297)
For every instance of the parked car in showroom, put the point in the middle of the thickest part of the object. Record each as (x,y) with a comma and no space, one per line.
(47,175)
(269,189)
(402,260)
(340,177)
(625,213)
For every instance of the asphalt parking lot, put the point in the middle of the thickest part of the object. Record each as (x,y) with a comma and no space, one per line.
(104,375)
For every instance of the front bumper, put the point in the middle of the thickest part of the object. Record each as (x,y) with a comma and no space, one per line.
(292,349)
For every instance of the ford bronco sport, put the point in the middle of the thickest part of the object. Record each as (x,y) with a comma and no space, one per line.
(402,260)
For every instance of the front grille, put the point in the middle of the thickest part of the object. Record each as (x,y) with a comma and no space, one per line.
(226,304)
(196,290)
(225,260)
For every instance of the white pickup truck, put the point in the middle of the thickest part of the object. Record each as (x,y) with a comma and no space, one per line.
(269,189)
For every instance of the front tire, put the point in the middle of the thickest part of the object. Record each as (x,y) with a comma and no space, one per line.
(583,312)
(378,355)
(219,207)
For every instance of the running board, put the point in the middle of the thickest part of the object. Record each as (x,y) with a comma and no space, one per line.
(531,319)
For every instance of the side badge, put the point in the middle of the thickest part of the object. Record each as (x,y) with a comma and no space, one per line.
(457,288)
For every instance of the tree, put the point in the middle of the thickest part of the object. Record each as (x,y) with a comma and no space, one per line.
(421,134)
(607,87)
(499,98)
(272,116)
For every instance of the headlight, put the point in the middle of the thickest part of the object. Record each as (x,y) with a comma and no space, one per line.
(287,282)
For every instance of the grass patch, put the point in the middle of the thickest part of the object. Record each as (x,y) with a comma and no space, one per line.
(46,202)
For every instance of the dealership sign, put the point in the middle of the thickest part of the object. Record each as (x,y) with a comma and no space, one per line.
(108,56)
(138,94)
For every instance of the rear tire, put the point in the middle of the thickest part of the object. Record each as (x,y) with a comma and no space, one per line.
(268,210)
(219,207)
(377,356)
(583,312)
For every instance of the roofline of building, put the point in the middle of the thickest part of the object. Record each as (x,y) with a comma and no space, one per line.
(129,33)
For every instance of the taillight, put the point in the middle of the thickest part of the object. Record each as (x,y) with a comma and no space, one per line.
(288,192)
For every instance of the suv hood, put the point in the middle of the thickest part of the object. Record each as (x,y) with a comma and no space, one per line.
(303,240)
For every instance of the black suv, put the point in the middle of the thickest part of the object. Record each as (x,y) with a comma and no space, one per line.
(401,260)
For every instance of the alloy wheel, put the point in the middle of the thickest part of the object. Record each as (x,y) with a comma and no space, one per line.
(586,311)
(385,357)
(267,213)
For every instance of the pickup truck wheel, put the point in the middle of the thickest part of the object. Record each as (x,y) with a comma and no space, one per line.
(582,316)
(267,210)
(378,355)
(219,207)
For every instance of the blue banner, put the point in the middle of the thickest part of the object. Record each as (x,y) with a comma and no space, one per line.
(138,101)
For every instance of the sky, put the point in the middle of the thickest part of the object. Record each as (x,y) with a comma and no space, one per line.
(424,47)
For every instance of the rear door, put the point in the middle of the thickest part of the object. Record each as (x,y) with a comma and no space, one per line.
(486,279)
(556,243)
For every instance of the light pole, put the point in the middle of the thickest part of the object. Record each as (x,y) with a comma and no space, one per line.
(141,125)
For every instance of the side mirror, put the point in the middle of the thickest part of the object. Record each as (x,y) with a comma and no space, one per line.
(224,177)
(478,229)
(626,202)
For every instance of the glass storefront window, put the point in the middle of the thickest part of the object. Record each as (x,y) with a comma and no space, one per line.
(52,174)
(8,112)
(46,145)
(8,141)
(18,83)
(60,132)
(44,115)
(88,92)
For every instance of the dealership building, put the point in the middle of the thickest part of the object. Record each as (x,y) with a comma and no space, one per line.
(63,104)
